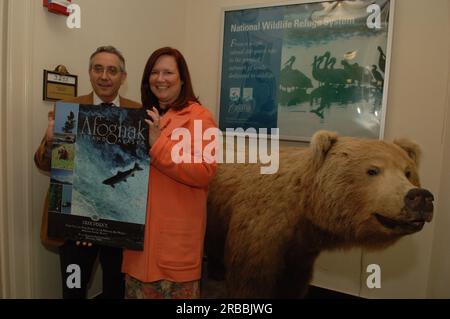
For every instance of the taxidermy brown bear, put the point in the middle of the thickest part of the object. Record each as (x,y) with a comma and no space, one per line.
(265,231)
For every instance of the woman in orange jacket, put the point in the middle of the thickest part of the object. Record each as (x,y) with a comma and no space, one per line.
(170,264)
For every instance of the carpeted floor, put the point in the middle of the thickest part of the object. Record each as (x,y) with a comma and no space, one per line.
(213,289)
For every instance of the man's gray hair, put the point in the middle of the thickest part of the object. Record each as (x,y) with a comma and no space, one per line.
(109,49)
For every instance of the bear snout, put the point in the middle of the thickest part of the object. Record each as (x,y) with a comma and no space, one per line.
(419,201)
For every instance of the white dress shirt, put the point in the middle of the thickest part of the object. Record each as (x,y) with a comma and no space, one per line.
(98,101)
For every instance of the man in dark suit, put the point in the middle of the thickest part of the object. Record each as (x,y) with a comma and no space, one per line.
(107,73)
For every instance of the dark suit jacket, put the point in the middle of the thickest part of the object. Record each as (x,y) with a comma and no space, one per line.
(43,162)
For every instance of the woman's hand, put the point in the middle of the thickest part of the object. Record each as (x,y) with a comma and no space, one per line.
(154,130)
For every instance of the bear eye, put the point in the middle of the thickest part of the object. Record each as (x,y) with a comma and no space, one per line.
(408,174)
(374,171)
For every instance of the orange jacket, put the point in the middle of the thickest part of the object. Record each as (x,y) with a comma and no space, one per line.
(176,208)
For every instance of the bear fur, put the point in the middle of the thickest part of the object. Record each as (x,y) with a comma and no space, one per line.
(264,232)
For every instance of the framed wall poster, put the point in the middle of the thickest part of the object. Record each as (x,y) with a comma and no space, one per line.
(306,67)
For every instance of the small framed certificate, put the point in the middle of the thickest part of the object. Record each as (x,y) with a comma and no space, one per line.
(59,86)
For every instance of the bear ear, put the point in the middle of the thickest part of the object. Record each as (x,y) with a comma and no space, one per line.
(321,143)
(411,148)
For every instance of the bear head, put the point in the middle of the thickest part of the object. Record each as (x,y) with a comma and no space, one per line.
(366,191)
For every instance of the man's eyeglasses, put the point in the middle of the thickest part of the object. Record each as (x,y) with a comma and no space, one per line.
(110,70)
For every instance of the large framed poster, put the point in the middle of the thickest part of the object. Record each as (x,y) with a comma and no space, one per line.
(306,67)
(99,175)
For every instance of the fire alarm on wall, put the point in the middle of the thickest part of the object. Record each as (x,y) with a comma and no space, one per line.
(57,6)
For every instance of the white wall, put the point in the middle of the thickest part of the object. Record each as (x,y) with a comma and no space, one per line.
(2,142)
(416,109)
(16,223)
(439,279)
